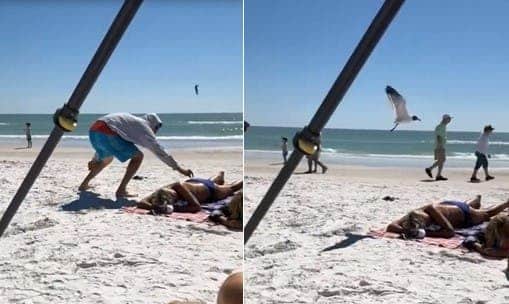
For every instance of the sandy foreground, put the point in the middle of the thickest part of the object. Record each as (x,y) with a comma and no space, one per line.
(92,252)
(284,262)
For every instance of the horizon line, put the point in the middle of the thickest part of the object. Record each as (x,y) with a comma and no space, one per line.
(368,129)
(127,112)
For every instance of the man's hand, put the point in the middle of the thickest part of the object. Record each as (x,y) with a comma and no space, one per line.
(186,172)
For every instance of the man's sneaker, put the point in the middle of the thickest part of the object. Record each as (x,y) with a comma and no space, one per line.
(489,177)
(428,171)
(474,180)
(441,178)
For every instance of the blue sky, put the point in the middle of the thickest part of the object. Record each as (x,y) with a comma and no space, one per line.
(169,46)
(443,56)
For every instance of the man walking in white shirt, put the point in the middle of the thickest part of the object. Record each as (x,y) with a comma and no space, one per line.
(482,155)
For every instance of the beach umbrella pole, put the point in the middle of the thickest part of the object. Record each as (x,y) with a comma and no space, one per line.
(66,117)
(306,141)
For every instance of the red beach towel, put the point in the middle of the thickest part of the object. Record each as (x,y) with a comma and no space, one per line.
(451,243)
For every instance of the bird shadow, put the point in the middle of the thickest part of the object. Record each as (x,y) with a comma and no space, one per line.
(88,200)
(21,148)
(276,164)
(351,239)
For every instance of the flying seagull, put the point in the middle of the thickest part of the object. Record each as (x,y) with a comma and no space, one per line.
(399,105)
(196,89)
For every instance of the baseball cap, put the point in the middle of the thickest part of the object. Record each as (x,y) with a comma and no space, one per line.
(488,128)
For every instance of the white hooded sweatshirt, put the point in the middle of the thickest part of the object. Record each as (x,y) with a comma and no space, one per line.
(139,131)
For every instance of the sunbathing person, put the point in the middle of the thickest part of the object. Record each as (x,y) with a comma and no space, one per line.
(495,242)
(231,214)
(440,219)
(188,196)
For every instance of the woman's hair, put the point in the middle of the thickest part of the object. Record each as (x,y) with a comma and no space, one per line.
(496,230)
(413,220)
(164,197)
(236,206)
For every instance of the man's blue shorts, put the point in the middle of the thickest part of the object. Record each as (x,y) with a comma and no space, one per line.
(106,145)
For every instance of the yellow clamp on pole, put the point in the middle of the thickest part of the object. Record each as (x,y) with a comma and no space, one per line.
(306,141)
(66,118)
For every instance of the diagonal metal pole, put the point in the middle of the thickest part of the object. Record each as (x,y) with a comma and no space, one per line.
(353,66)
(103,53)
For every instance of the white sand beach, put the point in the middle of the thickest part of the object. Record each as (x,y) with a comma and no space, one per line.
(93,252)
(284,262)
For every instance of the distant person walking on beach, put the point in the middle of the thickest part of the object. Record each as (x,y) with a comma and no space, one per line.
(116,135)
(482,155)
(284,148)
(440,140)
(28,133)
(314,160)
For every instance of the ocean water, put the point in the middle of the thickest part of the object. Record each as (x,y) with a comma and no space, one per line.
(383,147)
(188,130)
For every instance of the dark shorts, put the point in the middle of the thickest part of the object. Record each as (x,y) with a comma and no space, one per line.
(465,209)
(107,145)
(482,160)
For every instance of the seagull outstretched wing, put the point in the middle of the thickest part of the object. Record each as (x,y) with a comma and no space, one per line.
(398,104)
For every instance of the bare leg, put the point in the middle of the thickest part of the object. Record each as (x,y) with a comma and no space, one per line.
(483,215)
(486,171)
(219,178)
(324,167)
(95,167)
(475,203)
(435,164)
(310,165)
(224,191)
(440,168)
(134,165)
(474,174)
(497,209)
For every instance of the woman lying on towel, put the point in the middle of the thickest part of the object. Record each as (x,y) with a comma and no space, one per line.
(188,196)
(440,219)
(495,242)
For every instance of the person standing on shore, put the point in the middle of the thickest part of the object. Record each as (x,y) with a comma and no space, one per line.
(284,148)
(482,155)
(116,135)
(28,133)
(440,140)
(314,161)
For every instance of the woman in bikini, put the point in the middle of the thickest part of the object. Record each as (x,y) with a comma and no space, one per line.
(188,196)
(440,219)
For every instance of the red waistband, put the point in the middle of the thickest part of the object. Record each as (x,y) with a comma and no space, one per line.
(101,127)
